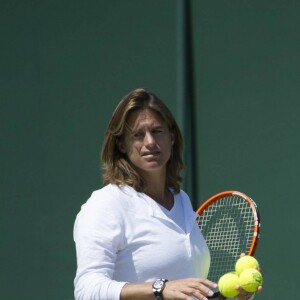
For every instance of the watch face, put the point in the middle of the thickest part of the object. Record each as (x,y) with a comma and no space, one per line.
(158,284)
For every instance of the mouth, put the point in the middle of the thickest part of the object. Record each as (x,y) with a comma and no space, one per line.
(150,153)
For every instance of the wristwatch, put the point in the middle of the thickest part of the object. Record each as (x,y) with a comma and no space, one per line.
(158,287)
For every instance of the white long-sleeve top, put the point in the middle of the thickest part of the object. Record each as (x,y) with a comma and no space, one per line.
(125,236)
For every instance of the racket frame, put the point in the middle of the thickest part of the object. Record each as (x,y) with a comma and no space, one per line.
(256,217)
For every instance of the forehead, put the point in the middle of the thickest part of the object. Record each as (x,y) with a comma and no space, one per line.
(143,117)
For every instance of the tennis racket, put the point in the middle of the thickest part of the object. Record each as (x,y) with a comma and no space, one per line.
(230,224)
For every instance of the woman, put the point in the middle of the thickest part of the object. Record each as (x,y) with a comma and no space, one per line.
(137,237)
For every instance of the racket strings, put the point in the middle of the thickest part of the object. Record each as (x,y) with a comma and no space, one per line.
(227,226)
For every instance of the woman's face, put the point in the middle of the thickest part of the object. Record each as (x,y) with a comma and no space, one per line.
(148,142)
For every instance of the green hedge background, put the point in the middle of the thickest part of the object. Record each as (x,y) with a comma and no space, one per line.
(64,67)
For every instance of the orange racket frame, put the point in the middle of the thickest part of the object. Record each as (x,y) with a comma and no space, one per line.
(256,216)
(256,219)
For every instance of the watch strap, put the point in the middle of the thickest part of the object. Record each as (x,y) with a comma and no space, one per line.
(158,292)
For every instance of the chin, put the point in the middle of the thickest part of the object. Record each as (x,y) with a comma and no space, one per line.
(154,168)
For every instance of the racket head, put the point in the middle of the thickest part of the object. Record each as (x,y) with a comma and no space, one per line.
(230,224)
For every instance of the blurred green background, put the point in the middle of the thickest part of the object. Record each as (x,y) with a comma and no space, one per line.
(64,67)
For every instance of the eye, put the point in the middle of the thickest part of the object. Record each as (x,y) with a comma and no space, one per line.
(157,131)
(137,135)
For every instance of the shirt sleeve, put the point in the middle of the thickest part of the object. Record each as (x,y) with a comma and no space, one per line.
(98,236)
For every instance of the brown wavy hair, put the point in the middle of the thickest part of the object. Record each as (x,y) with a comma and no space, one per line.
(117,168)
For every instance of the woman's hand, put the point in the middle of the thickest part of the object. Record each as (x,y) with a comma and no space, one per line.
(189,288)
(243,295)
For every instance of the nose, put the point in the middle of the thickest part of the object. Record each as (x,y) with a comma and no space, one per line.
(149,139)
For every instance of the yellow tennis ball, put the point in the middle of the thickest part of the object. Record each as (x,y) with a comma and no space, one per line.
(246,262)
(227,285)
(250,280)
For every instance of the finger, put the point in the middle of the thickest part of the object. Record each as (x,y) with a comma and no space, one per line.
(209,283)
(203,294)
(201,288)
(242,292)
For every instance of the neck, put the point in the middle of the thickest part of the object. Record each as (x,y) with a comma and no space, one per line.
(156,188)
(156,180)
(160,193)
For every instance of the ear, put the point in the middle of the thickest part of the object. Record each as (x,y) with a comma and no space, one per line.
(121,146)
(172,139)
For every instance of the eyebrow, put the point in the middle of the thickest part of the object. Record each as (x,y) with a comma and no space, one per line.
(151,127)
